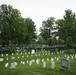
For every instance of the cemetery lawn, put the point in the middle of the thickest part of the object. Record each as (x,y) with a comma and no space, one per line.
(36,69)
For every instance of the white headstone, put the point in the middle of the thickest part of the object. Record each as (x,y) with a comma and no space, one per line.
(57,59)
(33,60)
(6,54)
(1,59)
(72,57)
(27,61)
(52,53)
(47,59)
(75,56)
(23,62)
(18,57)
(44,64)
(52,65)
(33,51)
(6,58)
(12,66)
(15,63)
(22,56)
(12,54)
(52,59)
(37,61)
(46,53)
(16,53)
(28,52)
(39,54)
(42,60)
(68,57)
(6,65)
(13,57)
(21,52)
(2,55)
(30,63)
(49,53)
(27,55)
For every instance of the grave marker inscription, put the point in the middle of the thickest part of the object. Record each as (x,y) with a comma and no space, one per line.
(65,64)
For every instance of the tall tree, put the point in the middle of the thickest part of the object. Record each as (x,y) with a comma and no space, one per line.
(46,30)
(67,26)
(31,30)
(12,25)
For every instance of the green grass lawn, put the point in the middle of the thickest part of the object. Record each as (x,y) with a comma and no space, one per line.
(36,69)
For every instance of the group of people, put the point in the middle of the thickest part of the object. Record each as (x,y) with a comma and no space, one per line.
(7,50)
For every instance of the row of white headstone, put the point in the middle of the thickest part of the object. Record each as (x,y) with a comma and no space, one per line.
(14,64)
(56,58)
(33,52)
(37,61)
(27,55)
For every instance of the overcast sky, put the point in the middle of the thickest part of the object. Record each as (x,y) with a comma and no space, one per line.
(40,10)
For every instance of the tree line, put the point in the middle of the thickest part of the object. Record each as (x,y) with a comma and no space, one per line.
(16,30)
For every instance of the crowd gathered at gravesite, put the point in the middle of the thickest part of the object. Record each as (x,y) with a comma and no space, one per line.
(16,49)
